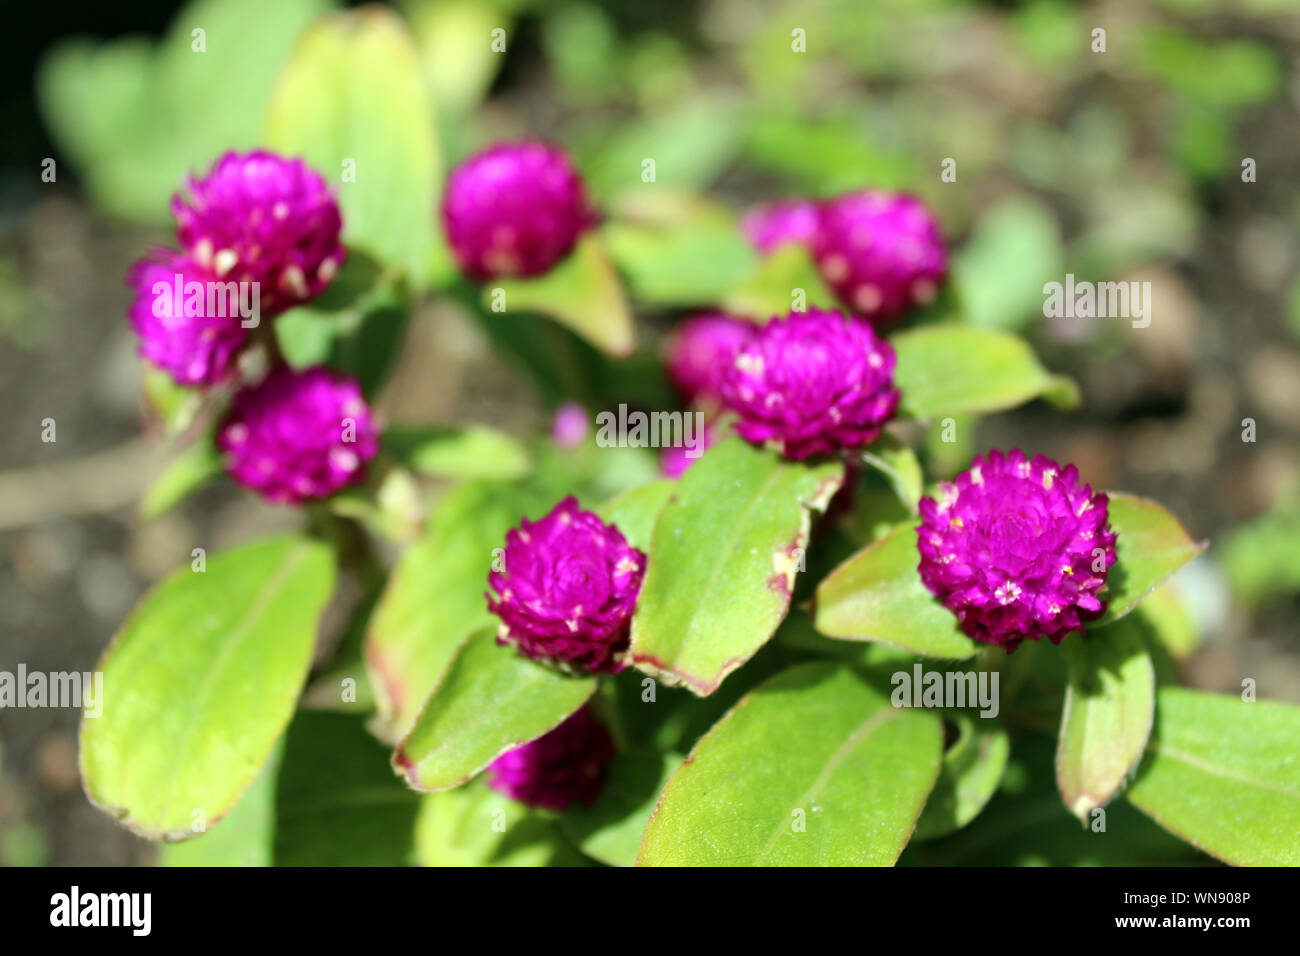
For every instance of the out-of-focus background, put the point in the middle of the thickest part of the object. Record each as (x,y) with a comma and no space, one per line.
(1125,164)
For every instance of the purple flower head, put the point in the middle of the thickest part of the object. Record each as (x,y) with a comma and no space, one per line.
(193,340)
(515,209)
(774,224)
(1017,549)
(564,766)
(569,430)
(298,435)
(880,253)
(815,382)
(700,350)
(568,589)
(675,459)
(257,217)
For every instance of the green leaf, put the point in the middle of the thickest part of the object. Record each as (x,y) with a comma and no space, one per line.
(457,451)
(1222,774)
(945,370)
(877,595)
(771,289)
(972,769)
(242,837)
(610,829)
(1109,705)
(352,101)
(492,699)
(723,558)
(898,464)
(694,264)
(337,802)
(814,767)
(1014,249)
(201,681)
(434,597)
(169,408)
(474,825)
(583,293)
(634,512)
(1150,545)
(189,471)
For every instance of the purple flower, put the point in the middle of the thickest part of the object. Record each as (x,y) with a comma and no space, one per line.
(194,340)
(568,589)
(774,224)
(700,350)
(569,430)
(675,459)
(1017,549)
(258,217)
(880,253)
(298,435)
(515,209)
(564,766)
(815,382)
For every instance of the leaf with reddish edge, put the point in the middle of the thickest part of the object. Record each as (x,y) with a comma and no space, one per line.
(723,558)
(491,699)
(1150,545)
(1109,705)
(877,595)
(813,768)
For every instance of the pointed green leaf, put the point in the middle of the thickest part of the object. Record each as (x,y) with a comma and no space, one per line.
(877,595)
(972,769)
(949,369)
(1150,545)
(898,464)
(1109,704)
(723,558)
(813,768)
(352,101)
(491,700)
(1224,774)
(201,681)
(770,291)
(583,292)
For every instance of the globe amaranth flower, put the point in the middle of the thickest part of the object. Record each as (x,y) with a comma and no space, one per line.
(881,253)
(699,351)
(775,224)
(298,436)
(515,209)
(675,459)
(564,766)
(194,338)
(567,590)
(258,217)
(1017,549)
(815,382)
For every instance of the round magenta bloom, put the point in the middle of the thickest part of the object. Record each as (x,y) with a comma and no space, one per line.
(298,436)
(195,349)
(570,427)
(568,589)
(880,253)
(515,209)
(258,217)
(564,766)
(1017,549)
(700,350)
(774,224)
(815,382)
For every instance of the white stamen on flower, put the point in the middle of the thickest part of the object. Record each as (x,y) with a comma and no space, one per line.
(1007,593)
